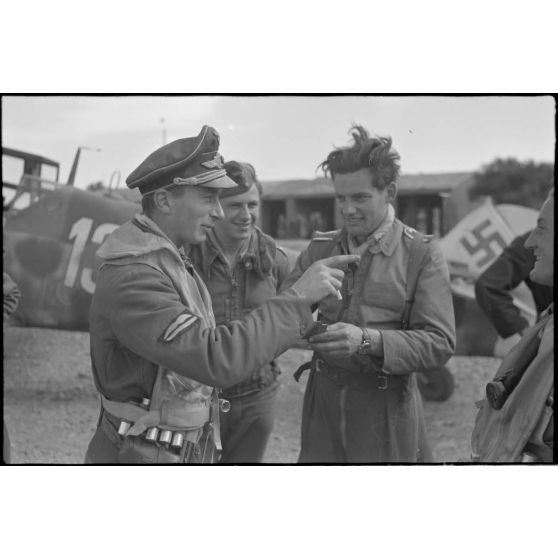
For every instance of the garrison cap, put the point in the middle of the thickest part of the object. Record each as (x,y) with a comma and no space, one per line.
(244,175)
(184,162)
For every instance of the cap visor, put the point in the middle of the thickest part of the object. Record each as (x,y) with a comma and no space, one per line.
(223,183)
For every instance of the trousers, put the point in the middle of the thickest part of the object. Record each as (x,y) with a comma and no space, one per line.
(355,423)
(246,428)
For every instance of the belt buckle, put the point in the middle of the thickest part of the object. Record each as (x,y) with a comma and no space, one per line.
(382,381)
(318,365)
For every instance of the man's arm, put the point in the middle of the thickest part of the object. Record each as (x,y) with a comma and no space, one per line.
(429,340)
(492,288)
(303,262)
(150,320)
(282,268)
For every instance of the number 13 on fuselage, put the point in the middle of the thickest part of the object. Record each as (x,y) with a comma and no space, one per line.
(82,232)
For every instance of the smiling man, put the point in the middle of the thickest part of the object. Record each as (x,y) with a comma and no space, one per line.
(242,268)
(361,403)
(156,352)
(515,422)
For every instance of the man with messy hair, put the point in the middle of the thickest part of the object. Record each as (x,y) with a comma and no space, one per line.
(393,317)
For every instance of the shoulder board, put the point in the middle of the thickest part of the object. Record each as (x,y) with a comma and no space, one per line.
(409,232)
(282,250)
(327,235)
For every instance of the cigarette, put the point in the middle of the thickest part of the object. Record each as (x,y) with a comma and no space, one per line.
(338,294)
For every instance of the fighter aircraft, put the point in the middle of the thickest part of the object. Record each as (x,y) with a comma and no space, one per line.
(51,233)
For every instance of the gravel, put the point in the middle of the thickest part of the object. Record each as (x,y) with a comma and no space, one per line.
(51,406)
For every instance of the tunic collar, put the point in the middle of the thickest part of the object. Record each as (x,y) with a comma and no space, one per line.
(385,242)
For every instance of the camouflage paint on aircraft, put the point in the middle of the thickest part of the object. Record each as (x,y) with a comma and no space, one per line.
(50,251)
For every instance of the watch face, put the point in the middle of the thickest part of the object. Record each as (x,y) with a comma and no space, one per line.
(364,349)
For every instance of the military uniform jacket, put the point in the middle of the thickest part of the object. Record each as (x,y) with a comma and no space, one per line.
(492,288)
(376,293)
(500,436)
(373,421)
(151,310)
(257,276)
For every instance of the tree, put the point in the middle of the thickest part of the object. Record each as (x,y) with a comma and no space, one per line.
(511,181)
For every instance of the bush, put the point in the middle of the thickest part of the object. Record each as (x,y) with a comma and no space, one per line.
(512,181)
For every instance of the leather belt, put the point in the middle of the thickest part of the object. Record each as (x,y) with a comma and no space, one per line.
(359,380)
(362,380)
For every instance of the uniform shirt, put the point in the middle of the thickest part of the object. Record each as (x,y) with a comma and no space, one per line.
(256,277)
(374,296)
(492,288)
(151,310)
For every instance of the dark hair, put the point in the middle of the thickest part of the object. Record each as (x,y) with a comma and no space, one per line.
(374,153)
(244,174)
(148,202)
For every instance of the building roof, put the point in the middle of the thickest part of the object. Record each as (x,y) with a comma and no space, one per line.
(323,187)
(281,189)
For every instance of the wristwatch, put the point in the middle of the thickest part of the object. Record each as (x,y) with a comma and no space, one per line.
(365,347)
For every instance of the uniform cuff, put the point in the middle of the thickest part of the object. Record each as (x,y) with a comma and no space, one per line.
(304,311)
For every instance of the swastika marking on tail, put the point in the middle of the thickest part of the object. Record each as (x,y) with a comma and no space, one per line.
(484,242)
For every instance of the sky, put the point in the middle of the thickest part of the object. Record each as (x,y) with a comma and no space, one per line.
(283,137)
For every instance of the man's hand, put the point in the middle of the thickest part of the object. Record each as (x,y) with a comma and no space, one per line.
(340,340)
(302,344)
(323,278)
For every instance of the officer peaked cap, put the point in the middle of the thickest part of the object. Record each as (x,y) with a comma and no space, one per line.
(184,162)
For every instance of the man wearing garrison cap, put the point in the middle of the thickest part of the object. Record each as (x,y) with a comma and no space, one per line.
(243,267)
(157,355)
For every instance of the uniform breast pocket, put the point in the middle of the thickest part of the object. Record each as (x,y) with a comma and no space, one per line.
(382,301)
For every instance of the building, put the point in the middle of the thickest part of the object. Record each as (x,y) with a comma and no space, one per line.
(432,203)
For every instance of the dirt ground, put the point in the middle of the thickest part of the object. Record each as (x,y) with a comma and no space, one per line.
(51,406)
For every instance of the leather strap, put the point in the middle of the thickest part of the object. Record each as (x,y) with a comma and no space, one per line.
(301,369)
(215,422)
(419,247)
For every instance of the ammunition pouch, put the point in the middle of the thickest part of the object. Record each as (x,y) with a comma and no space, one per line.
(197,421)
(199,425)
(137,450)
(172,415)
